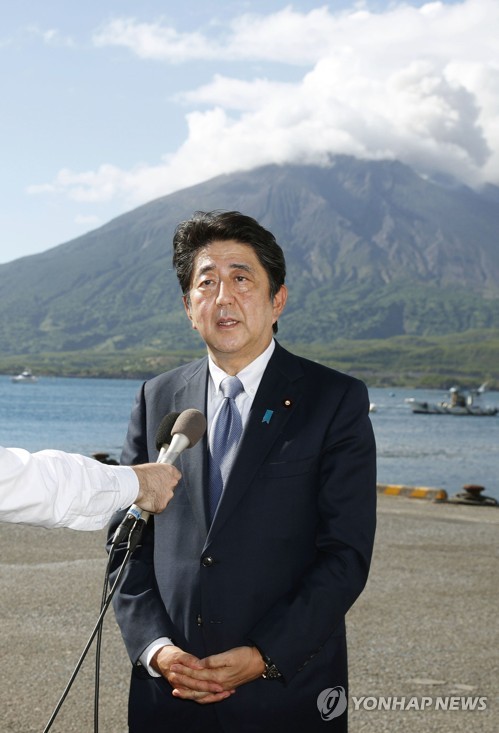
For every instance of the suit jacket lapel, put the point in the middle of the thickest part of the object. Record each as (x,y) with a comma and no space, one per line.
(278,393)
(193,462)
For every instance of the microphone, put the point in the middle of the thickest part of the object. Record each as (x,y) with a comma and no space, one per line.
(164,436)
(188,429)
(176,432)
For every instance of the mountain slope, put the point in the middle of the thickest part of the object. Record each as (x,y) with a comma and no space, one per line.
(373,250)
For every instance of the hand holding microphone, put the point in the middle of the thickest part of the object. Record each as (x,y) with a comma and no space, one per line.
(157,482)
(154,478)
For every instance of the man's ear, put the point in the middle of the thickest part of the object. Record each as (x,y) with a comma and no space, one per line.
(187,305)
(279,301)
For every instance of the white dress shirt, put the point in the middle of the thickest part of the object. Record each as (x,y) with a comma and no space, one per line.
(56,489)
(250,377)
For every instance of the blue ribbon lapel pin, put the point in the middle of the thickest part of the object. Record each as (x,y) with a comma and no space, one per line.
(267,417)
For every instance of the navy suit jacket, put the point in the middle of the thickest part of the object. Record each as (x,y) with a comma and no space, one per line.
(287,554)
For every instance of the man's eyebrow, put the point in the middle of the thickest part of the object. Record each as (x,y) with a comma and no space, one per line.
(233,266)
(203,270)
(241,266)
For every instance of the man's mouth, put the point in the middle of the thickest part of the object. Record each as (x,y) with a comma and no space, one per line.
(226,322)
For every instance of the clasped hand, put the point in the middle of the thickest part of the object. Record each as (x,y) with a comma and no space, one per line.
(211,679)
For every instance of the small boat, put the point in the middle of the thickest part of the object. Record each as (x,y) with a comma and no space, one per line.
(461,402)
(25,376)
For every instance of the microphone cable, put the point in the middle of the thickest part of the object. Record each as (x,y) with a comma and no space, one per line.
(134,537)
(133,541)
(98,641)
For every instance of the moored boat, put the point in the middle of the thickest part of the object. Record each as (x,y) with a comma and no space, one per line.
(25,376)
(460,402)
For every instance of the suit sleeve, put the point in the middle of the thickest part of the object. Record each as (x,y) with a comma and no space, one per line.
(139,610)
(298,625)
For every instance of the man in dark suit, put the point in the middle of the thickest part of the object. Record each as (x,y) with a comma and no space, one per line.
(237,623)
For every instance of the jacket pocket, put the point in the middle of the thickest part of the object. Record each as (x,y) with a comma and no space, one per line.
(286,469)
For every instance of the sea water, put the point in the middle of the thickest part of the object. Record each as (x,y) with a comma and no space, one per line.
(440,451)
(91,415)
(77,415)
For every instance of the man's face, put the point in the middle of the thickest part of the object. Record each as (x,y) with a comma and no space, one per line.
(229,303)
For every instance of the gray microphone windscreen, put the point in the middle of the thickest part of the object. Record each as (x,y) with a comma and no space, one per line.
(164,431)
(192,424)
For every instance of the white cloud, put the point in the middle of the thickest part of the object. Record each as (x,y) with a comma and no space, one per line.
(51,36)
(236,94)
(286,36)
(292,37)
(155,41)
(417,84)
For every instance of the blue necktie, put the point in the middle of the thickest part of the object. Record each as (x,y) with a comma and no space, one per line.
(225,432)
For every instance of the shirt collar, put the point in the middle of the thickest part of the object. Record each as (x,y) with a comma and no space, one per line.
(250,376)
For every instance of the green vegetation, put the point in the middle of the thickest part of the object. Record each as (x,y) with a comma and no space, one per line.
(468,358)
(367,311)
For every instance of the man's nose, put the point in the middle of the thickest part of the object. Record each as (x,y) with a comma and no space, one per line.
(224,293)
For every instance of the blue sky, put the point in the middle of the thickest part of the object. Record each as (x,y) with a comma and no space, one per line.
(109,104)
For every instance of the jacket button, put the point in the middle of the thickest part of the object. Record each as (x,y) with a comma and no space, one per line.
(207,561)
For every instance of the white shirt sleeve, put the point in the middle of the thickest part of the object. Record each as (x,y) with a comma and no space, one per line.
(150,651)
(56,489)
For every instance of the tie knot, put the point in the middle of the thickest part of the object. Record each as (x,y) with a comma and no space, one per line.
(231,387)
